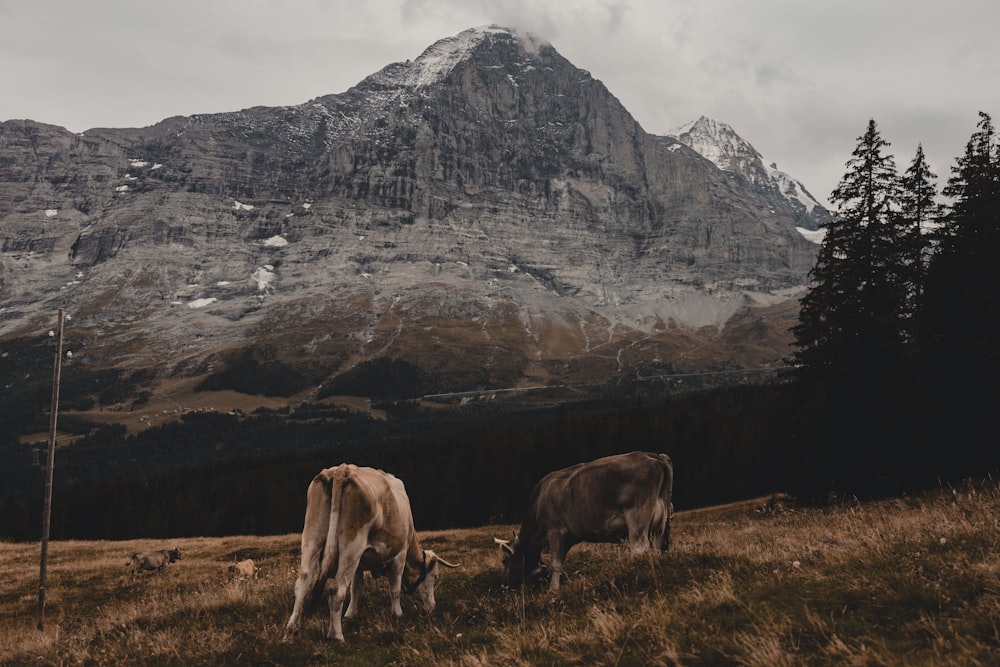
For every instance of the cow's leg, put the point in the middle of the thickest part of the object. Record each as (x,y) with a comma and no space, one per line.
(357,588)
(396,583)
(558,547)
(304,584)
(658,527)
(665,538)
(347,567)
(637,520)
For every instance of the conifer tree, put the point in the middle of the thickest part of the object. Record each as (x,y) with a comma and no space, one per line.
(919,211)
(964,278)
(850,337)
(963,303)
(851,313)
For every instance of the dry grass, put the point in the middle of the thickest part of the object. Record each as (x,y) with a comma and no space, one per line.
(905,582)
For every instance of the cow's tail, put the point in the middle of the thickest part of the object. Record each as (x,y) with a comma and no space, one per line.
(332,485)
(666,497)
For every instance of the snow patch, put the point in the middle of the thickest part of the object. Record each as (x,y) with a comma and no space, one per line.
(138,163)
(51,212)
(201,303)
(240,206)
(791,188)
(263,276)
(121,188)
(816,236)
(440,58)
(277,241)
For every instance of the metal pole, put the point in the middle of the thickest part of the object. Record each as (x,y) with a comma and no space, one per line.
(49,464)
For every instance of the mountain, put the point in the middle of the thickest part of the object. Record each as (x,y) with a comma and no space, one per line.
(719,143)
(487,215)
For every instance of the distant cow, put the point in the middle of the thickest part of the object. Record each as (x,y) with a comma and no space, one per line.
(146,561)
(357,520)
(626,496)
(243,570)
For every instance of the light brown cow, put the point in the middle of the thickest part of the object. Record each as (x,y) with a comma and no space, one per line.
(357,520)
(243,570)
(148,561)
(625,496)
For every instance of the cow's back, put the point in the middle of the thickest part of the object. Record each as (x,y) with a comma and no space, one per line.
(588,499)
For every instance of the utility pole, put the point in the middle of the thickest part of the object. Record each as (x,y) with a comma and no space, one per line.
(49,464)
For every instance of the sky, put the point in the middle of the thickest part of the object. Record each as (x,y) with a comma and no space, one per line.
(797,79)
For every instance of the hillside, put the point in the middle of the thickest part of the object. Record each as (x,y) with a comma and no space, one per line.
(913,581)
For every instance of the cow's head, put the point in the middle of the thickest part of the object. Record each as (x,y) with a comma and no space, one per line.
(421,581)
(175,555)
(518,565)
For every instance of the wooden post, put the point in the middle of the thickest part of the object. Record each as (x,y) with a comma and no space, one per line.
(49,464)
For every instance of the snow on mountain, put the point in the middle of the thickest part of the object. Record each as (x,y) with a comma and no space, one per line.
(719,143)
(441,57)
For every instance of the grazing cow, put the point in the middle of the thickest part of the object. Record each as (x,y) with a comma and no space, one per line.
(626,496)
(357,520)
(243,570)
(152,560)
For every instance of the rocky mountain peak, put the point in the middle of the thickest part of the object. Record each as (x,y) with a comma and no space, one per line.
(719,143)
(441,58)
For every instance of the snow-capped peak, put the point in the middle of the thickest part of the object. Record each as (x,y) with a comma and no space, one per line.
(440,58)
(719,143)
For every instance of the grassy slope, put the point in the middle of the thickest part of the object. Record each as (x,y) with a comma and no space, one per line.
(904,582)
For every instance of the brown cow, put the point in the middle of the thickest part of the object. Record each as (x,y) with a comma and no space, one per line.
(357,520)
(243,570)
(157,561)
(626,496)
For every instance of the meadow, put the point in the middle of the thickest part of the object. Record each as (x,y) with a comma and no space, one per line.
(908,581)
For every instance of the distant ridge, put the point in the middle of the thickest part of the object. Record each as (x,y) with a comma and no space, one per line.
(719,143)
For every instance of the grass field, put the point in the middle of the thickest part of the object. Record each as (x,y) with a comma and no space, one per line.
(913,581)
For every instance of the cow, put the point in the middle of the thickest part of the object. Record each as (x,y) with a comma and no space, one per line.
(243,570)
(359,519)
(625,496)
(143,561)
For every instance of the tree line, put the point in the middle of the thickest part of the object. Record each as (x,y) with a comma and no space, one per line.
(895,343)
(223,475)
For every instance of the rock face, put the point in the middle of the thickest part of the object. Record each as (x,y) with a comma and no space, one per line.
(487,215)
(719,143)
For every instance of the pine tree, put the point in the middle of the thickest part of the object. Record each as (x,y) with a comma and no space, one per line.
(919,211)
(964,276)
(963,304)
(850,337)
(850,317)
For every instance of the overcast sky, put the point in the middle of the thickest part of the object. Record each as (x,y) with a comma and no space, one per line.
(798,79)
